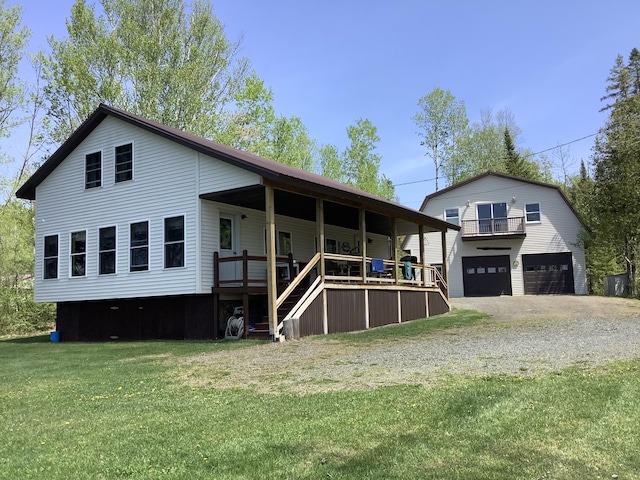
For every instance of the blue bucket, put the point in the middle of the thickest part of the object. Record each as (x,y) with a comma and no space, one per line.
(55,337)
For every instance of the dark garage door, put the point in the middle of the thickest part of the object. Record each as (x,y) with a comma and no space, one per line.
(486,276)
(548,273)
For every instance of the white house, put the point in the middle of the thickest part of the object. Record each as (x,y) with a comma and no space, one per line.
(145,231)
(517,236)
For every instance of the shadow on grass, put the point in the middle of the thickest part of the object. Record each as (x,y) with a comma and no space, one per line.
(39,338)
(457,318)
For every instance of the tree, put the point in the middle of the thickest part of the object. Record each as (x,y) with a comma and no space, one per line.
(13,39)
(154,58)
(441,120)
(617,168)
(514,163)
(357,165)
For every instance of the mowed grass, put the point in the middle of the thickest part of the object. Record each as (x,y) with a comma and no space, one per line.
(121,411)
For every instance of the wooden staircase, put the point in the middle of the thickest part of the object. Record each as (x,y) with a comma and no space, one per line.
(260,331)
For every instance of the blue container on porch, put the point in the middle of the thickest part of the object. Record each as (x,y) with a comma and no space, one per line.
(55,337)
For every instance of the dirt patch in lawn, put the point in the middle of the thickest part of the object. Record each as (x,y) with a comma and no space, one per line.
(525,336)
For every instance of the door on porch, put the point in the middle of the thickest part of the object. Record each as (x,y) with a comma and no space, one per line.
(228,241)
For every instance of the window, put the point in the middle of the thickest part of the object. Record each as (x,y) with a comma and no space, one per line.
(174,242)
(532,211)
(139,247)
(492,217)
(107,250)
(124,162)
(93,170)
(78,253)
(226,234)
(51,256)
(330,245)
(284,243)
(452,215)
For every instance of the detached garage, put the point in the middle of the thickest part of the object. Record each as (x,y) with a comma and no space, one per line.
(548,273)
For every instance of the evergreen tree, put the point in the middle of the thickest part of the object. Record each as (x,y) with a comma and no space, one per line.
(617,169)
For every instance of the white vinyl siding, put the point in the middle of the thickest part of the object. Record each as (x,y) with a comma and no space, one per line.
(62,199)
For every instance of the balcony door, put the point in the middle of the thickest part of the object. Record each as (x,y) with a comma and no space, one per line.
(492,217)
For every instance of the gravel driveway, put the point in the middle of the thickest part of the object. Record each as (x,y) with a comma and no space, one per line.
(525,336)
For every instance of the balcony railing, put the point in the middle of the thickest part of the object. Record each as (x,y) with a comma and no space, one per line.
(512,227)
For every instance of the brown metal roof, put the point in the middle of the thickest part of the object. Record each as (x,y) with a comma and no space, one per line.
(273,173)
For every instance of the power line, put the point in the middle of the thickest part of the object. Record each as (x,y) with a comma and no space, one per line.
(525,156)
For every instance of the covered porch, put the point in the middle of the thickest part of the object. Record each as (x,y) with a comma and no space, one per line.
(339,288)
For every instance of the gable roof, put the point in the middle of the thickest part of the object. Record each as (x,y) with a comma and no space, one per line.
(272,172)
(490,173)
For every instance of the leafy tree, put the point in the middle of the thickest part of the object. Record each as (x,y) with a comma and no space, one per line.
(514,163)
(155,58)
(13,38)
(441,120)
(617,169)
(357,165)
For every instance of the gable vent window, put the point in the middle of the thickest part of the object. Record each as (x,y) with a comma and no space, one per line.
(93,170)
(124,163)
(174,242)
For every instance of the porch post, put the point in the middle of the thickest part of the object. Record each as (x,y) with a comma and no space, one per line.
(272,291)
(394,248)
(363,245)
(422,259)
(445,269)
(320,234)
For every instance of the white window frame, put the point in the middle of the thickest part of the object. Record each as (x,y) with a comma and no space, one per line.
(457,217)
(114,250)
(45,258)
(115,162)
(83,254)
(165,243)
(101,169)
(148,246)
(539,212)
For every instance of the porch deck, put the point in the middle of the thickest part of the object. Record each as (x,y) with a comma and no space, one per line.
(329,293)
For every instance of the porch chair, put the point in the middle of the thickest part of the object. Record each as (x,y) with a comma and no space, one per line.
(377,267)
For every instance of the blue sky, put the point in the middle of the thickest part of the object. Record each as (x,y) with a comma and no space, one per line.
(333,62)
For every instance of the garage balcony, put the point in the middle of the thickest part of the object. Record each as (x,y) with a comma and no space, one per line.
(493,228)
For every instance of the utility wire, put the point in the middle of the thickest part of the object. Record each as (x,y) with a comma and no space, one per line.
(525,156)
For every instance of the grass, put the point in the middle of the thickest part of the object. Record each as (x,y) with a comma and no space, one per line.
(119,411)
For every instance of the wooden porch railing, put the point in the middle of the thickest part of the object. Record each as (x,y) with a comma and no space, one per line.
(493,226)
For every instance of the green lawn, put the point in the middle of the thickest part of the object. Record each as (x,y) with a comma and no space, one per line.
(120,411)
